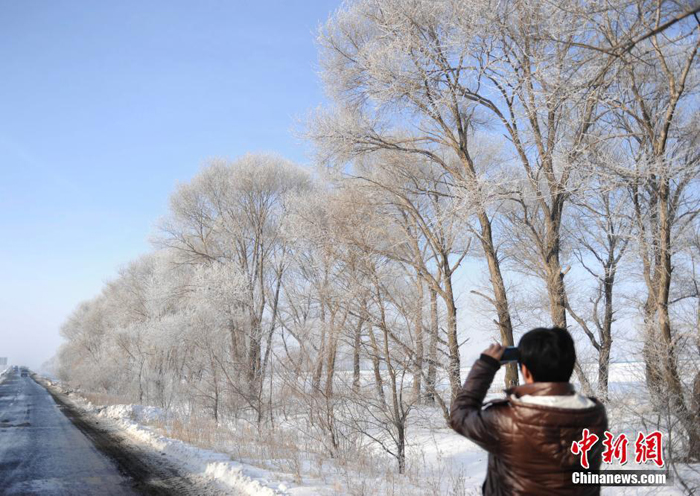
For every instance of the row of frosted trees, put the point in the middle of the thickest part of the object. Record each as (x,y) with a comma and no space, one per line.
(483,167)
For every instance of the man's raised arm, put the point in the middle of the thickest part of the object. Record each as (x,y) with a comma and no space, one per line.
(466,414)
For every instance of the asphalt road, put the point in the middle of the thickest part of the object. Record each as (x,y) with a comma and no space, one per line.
(42,452)
(48,447)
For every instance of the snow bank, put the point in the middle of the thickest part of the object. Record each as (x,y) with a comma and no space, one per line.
(138,413)
(243,478)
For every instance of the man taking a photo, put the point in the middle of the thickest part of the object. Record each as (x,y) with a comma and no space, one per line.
(529,433)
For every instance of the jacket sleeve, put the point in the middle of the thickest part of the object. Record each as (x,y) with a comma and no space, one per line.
(466,415)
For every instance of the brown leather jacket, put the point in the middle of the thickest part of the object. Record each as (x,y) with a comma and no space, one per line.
(529,445)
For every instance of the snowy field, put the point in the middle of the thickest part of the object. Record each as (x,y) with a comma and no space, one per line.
(288,462)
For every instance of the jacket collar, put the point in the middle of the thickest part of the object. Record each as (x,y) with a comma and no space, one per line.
(542,389)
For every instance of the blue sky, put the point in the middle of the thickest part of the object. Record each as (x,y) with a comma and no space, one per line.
(104,108)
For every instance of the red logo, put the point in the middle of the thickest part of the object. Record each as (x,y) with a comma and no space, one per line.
(647,448)
(615,448)
(583,446)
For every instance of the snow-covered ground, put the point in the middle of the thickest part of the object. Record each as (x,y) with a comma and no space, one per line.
(245,479)
(438,460)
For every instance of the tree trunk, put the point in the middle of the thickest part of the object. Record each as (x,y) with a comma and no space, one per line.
(606,333)
(318,371)
(273,323)
(505,326)
(694,441)
(603,369)
(500,301)
(418,326)
(583,379)
(555,278)
(401,446)
(378,381)
(432,350)
(330,366)
(453,367)
(335,327)
(651,354)
(555,286)
(237,352)
(671,375)
(356,356)
(253,369)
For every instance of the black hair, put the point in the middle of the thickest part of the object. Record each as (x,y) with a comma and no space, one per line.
(548,353)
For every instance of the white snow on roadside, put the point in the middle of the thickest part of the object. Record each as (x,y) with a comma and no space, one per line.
(239,477)
(217,466)
(139,413)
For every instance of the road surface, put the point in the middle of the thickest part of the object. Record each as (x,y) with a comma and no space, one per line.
(48,448)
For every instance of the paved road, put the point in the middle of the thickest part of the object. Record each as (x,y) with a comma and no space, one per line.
(42,452)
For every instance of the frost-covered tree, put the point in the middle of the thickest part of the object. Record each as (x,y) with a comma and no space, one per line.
(231,213)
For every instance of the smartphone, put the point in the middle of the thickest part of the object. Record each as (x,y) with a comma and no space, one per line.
(511,354)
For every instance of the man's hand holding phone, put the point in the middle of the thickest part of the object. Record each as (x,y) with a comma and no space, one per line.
(495,351)
(503,354)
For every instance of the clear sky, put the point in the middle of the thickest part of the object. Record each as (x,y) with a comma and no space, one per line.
(104,108)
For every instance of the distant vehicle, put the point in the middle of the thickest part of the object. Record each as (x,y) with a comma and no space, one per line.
(24,373)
